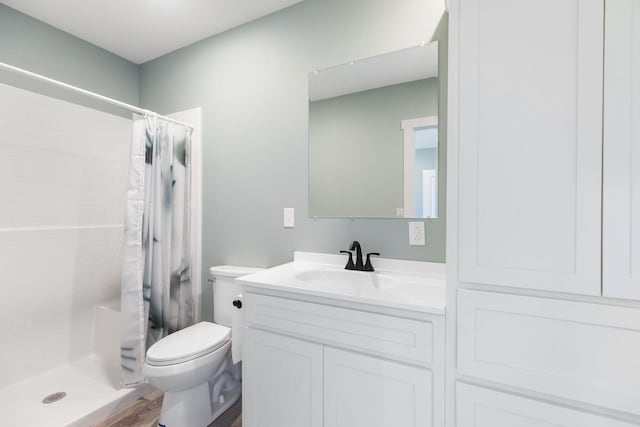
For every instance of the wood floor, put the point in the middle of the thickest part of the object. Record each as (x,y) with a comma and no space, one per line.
(145,412)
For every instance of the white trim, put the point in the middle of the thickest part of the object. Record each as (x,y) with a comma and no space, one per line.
(420,122)
(408,126)
(451,200)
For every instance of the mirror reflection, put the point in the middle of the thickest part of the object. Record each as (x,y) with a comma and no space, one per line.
(373,136)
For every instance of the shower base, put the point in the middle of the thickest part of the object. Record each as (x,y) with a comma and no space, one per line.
(91,389)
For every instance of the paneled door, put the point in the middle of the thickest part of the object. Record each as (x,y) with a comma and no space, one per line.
(364,391)
(530,144)
(281,372)
(480,407)
(621,181)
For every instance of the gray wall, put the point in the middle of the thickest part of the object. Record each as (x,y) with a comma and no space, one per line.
(356,149)
(251,83)
(33,45)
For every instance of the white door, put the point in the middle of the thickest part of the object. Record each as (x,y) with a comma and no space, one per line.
(364,391)
(281,382)
(530,143)
(621,180)
(429,193)
(480,407)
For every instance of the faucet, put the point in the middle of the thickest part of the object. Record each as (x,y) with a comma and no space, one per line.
(359,265)
(355,246)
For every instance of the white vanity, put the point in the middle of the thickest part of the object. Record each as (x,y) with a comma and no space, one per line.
(327,347)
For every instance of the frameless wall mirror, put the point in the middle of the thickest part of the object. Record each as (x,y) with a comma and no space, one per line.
(373,136)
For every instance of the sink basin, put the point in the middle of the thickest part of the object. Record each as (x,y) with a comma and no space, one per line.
(347,279)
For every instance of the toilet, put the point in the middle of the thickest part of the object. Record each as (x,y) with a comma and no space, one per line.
(194,366)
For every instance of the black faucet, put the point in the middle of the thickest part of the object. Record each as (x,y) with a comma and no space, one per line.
(359,265)
(355,246)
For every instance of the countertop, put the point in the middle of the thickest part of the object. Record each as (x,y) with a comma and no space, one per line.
(409,285)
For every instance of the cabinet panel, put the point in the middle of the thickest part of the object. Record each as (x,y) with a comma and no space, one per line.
(480,407)
(402,339)
(580,351)
(364,391)
(621,209)
(282,381)
(530,147)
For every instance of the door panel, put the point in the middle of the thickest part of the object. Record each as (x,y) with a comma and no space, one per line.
(282,381)
(531,143)
(364,391)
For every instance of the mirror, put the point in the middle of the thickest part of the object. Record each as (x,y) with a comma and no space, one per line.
(373,136)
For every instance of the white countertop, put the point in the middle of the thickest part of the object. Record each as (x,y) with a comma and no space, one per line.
(409,285)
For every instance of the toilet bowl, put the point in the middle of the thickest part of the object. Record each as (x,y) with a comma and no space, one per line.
(179,370)
(194,367)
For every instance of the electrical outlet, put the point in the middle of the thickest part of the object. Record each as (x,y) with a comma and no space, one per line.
(289,218)
(416,234)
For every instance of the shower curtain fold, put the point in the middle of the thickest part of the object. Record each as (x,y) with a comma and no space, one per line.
(158,297)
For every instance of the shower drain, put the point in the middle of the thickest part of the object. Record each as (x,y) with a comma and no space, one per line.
(54,397)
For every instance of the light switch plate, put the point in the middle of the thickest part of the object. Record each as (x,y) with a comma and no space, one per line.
(289,218)
(416,233)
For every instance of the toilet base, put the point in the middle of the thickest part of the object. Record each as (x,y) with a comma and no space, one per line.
(190,407)
(201,405)
(192,410)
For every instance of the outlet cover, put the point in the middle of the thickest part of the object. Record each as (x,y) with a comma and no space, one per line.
(289,218)
(416,234)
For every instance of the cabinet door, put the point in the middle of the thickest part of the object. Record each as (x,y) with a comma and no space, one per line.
(364,391)
(282,381)
(621,209)
(530,143)
(480,407)
(579,351)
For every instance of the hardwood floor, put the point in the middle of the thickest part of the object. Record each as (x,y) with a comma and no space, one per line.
(145,412)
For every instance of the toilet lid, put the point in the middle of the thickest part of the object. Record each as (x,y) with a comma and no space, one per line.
(188,343)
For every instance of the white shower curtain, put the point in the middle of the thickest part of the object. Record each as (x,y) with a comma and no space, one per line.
(158,297)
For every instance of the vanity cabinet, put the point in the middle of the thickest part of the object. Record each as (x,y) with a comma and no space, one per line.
(309,363)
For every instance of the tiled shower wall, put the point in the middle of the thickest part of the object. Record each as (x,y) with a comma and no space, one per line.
(63,173)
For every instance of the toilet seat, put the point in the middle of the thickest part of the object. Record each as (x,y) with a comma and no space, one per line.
(188,344)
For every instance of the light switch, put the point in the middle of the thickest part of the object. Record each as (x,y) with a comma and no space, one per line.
(416,234)
(289,218)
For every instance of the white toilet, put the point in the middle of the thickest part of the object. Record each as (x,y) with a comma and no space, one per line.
(193,366)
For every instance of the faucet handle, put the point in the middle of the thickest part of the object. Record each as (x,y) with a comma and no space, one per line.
(349,265)
(367,265)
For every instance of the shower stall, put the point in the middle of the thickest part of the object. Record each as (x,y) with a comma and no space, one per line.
(63,189)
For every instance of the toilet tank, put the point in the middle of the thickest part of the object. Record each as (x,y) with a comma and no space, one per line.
(225,288)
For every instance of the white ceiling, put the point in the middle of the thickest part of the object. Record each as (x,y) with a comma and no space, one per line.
(402,66)
(141,30)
